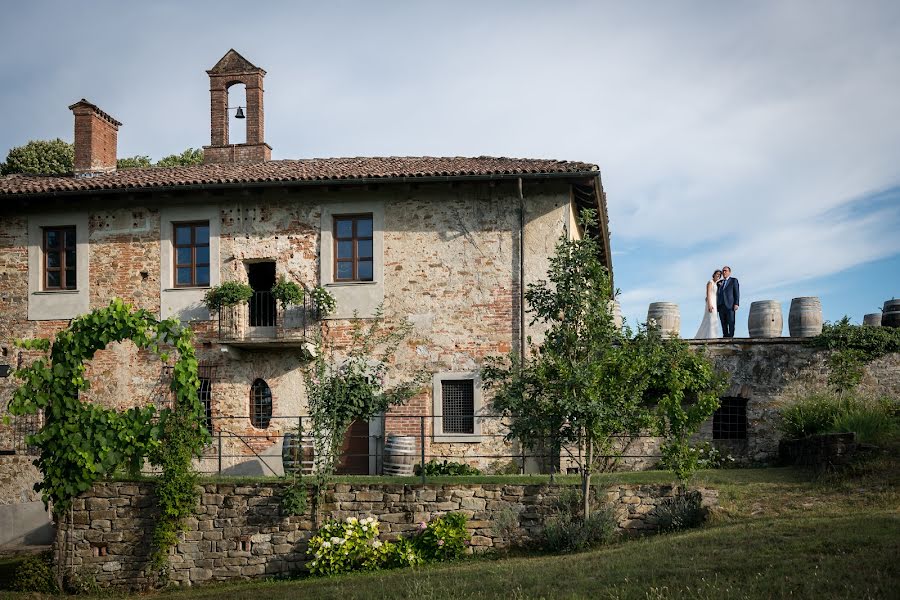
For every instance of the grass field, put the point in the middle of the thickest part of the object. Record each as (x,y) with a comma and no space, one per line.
(779,533)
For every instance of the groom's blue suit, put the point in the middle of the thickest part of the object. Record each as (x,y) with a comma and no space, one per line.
(727,297)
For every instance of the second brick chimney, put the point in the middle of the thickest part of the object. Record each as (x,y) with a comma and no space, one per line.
(96,137)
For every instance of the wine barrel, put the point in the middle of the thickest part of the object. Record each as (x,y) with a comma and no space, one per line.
(297,454)
(615,309)
(399,455)
(666,317)
(805,317)
(872,319)
(890,314)
(765,319)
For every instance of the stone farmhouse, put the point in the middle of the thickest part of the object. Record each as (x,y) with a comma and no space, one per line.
(448,243)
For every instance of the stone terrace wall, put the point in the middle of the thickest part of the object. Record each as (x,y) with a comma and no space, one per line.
(238,531)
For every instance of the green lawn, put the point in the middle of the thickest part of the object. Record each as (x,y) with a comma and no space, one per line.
(778,533)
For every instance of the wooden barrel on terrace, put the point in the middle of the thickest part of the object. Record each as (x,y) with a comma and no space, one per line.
(399,455)
(872,319)
(890,314)
(805,317)
(666,316)
(765,320)
(297,454)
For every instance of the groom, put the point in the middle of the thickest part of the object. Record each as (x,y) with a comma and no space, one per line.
(727,299)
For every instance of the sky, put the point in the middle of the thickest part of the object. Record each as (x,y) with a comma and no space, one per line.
(760,134)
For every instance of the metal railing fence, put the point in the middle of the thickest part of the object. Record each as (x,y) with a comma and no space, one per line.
(238,448)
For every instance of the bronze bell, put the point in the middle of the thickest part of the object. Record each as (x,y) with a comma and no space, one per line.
(240,113)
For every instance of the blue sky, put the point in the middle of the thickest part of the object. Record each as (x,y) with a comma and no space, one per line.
(760,134)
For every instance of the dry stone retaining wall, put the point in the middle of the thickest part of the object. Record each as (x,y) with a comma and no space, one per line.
(238,531)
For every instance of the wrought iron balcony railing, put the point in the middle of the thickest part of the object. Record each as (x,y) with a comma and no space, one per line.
(263,319)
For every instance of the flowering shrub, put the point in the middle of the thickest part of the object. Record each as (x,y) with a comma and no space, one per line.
(353,545)
(402,553)
(443,538)
(349,545)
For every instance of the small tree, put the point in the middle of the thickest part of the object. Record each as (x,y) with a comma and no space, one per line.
(588,381)
(40,157)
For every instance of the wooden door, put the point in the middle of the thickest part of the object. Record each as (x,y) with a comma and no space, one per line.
(355,450)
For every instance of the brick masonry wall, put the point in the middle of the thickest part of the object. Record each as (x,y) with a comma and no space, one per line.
(113,524)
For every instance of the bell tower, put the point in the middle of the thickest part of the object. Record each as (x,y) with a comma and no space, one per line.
(230,70)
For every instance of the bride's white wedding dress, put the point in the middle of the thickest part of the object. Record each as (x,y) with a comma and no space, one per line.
(709,328)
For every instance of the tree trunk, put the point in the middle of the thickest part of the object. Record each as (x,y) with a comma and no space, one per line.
(586,476)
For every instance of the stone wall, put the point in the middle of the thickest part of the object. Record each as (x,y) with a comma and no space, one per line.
(238,531)
(769,372)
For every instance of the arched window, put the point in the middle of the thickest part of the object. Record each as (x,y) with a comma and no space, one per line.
(260,404)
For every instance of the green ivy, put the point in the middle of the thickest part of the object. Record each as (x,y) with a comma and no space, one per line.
(81,442)
(294,498)
(852,346)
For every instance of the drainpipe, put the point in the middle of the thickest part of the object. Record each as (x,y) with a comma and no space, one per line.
(521,269)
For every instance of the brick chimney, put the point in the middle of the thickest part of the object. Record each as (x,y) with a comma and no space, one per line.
(96,137)
(231,69)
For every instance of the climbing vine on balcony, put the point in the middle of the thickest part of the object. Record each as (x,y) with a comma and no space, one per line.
(81,442)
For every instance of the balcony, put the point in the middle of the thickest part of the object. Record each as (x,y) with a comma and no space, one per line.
(263,323)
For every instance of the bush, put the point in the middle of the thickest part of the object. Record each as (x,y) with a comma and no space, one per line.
(811,415)
(402,553)
(434,468)
(35,574)
(349,545)
(443,538)
(230,293)
(873,423)
(324,301)
(288,293)
(710,457)
(680,512)
(873,420)
(567,531)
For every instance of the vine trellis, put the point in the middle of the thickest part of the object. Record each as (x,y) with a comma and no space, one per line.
(81,442)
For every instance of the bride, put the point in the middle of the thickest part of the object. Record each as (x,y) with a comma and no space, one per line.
(709,328)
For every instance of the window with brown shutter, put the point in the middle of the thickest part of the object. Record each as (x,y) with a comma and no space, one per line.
(353,248)
(191,249)
(60,258)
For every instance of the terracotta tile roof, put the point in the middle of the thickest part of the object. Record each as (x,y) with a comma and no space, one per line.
(308,170)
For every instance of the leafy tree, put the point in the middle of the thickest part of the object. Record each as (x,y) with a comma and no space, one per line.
(132,162)
(589,382)
(187,158)
(40,157)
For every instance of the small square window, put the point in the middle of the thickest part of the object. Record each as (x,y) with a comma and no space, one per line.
(730,419)
(458,404)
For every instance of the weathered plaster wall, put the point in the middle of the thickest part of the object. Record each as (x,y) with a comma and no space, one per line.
(119,518)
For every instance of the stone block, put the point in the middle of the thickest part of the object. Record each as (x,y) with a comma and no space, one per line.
(200,574)
(479,540)
(96,503)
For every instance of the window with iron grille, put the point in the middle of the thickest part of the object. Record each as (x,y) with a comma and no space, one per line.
(353,256)
(260,404)
(730,419)
(59,258)
(191,246)
(458,405)
(205,393)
